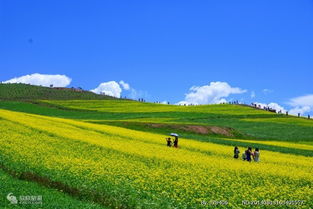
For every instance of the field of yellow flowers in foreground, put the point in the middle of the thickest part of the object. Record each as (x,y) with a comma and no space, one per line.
(121,168)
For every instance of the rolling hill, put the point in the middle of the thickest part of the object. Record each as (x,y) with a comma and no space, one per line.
(109,153)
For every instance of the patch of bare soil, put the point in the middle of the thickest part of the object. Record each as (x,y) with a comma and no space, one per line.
(225,131)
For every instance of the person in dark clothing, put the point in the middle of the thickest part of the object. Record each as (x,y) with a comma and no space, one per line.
(236,152)
(176,142)
(248,153)
(169,142)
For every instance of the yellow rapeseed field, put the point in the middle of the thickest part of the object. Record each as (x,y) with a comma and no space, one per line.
(134,169)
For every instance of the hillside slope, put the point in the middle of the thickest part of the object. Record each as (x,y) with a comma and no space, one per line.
(30,92)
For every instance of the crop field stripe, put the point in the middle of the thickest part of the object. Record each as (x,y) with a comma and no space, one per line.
(301,147)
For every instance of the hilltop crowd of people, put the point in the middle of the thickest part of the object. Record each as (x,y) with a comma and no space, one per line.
(267,108)
(258,106)
(248,155)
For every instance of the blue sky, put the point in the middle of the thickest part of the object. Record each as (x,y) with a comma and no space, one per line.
(163,48)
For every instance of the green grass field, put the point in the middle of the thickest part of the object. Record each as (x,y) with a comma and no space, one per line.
(51,198)
(108,153)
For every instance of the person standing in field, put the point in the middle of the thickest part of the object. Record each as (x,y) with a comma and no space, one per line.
(256,155)
(169,142)
(236,152)
(176,142)
(248,153)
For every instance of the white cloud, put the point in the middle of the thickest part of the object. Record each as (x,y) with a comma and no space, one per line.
(302,101)
(42,79)
(301,110)
(124,85)
(111,88)
(115,89)
(252,94)
(214,93)
(302,104)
